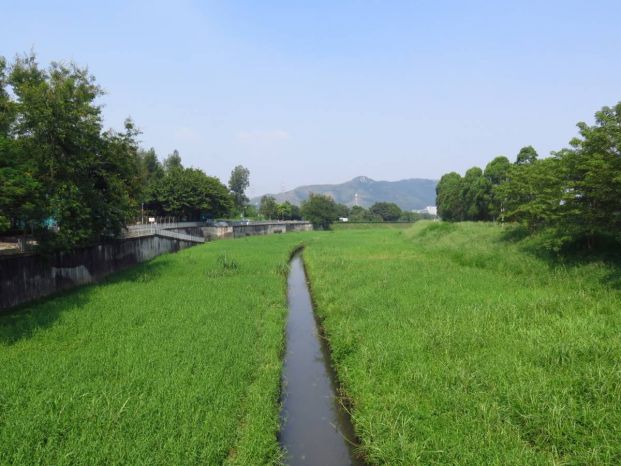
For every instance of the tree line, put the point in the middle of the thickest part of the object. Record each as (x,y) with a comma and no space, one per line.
(321,210)
(68,182)
(573,196)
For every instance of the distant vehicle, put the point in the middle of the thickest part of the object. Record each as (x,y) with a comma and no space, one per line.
(221,224)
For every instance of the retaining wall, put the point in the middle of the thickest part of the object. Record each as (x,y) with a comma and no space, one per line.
(254,229)
(27,277)
(240,231)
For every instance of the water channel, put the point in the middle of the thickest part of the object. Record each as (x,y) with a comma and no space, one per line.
(316,430)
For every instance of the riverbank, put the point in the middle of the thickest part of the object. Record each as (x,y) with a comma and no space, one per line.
(174,361)
(458,346)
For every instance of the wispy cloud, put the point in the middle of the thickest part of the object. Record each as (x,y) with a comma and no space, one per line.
(263,135)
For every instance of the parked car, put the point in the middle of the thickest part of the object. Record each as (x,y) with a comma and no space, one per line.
(221,224)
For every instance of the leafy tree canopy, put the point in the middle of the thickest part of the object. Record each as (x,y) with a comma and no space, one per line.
(320,210)
(268,207)
(388,211)
(526,156)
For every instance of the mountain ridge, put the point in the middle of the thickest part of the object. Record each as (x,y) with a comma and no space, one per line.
(408,194)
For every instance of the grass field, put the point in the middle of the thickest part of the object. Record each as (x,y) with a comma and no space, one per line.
(346,226)
(454,344)
(458,347)
(176,361)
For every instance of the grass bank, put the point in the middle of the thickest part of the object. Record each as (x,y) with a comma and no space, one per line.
(367,225)
(176,361)
(458,347)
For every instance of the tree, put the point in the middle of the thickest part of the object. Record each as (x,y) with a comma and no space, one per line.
(188,193)
(7,107)
(526,156)
(475,195)
(173,161)
(360,214)
(288,211)
(86,179)
(448,197)
(388,211)
(268,207)
(592,193)
(572,196)
(496,172)
(532,193)
(284,210)
(151,167)
(320,210)
(151,173)
(251,211)
(296,212)
(238,182)
(342,211)
(19,189)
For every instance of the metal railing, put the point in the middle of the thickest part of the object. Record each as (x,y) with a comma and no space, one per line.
(155,229)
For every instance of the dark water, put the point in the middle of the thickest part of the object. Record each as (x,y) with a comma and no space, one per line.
(315,428)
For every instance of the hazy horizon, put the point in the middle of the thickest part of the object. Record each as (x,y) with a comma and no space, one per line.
(321,93)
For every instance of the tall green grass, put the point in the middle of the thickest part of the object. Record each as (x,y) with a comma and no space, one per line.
(176,361)
(456,346)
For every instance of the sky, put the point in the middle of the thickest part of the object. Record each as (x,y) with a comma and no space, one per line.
(323,91)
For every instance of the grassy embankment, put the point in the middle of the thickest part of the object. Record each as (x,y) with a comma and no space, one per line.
(176,361)
(365,226)
(458,347)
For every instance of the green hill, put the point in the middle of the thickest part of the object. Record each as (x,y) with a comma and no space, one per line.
(410,194)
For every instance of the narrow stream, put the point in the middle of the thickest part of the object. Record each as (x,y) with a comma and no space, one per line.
(315,428)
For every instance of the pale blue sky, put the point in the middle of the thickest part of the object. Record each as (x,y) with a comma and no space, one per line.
(322,91)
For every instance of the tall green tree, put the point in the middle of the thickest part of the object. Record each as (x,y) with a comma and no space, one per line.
(533,193)
(592,195)
(449,197)
(268,207)
(238,183)
(19,188)
(496,172)
(87,188)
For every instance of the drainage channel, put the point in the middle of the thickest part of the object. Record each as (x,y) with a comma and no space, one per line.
(316,430)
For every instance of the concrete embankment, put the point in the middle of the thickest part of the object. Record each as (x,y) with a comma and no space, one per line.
(25,277)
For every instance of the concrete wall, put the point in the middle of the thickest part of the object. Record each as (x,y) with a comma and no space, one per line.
(27,277)
(214,233)
(254,229)
(269,228)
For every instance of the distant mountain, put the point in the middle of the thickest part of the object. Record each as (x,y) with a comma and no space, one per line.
(411,194)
